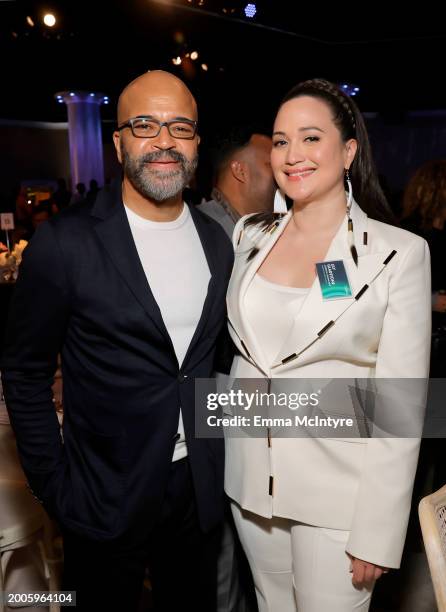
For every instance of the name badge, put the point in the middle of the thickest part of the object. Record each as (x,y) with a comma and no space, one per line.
(333,280)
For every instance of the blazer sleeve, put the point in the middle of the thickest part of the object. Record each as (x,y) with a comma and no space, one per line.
(384,497)
(37,323)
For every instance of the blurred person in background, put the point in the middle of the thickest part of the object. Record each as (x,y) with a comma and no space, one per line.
(424,212)
(62,196)
(92,193)
(80,195)
(243,180)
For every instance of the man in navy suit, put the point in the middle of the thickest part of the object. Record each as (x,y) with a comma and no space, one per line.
(130,291)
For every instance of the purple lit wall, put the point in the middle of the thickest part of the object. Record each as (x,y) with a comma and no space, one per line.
(85,137)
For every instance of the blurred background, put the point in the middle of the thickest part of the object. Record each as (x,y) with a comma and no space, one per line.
(238,58)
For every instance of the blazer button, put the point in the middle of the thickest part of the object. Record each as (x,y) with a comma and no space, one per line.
(182,377)
(176,437)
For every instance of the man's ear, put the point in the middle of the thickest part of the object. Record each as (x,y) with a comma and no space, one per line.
(117,143)
(239,171)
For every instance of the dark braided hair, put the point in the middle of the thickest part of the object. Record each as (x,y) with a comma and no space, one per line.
(349,121)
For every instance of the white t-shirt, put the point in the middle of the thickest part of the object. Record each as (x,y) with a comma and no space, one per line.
(178,274)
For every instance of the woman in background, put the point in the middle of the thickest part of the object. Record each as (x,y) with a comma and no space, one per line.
(424,212)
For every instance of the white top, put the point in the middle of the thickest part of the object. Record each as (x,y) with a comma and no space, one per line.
(272,308)
(178,274)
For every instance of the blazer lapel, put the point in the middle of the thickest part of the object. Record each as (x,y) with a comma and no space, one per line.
(264,241)
(205,235)
(114,232)
(315,313)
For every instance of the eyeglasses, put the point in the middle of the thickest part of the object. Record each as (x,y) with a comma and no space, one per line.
(144,127)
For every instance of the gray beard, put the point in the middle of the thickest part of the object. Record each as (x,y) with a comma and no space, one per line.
(154,184)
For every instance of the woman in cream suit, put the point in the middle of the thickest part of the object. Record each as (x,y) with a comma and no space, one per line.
(321,519)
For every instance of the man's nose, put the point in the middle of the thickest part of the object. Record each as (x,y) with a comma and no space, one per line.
(164,140)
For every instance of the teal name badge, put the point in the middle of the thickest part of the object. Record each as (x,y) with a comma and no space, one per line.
(333,280)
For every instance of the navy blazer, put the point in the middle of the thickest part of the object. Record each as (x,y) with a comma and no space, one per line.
(82,292)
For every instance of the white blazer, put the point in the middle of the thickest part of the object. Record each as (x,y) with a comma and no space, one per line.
(362,485)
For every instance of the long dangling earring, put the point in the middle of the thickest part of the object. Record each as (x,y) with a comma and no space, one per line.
(280,206)
(350,189)
(350,235)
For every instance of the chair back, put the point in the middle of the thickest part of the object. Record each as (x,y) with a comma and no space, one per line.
(432,513)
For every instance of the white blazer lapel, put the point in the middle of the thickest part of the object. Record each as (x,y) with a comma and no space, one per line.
(315,314)
(242,276)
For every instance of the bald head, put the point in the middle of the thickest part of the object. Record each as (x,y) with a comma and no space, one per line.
(158,165)
(156,88)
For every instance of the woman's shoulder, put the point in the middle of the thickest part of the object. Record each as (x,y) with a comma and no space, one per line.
(252,226)
(394,237)
(243,220)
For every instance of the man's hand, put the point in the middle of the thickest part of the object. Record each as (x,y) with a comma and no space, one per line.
(364,573)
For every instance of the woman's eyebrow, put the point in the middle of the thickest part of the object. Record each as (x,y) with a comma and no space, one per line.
(303,129)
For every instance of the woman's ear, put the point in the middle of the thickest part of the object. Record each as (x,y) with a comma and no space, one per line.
(351,146)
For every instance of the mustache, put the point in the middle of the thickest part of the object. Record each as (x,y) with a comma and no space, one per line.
(163,156)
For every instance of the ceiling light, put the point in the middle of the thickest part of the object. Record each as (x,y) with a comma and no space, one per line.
(49,20)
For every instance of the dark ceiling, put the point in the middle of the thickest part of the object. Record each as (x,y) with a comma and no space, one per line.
(398,62)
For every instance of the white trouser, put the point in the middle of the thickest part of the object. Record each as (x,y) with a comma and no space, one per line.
(298,567)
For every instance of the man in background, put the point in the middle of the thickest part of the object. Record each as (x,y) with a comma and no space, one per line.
(243,178)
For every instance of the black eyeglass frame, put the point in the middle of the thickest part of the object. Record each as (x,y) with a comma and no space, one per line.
(161,124)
